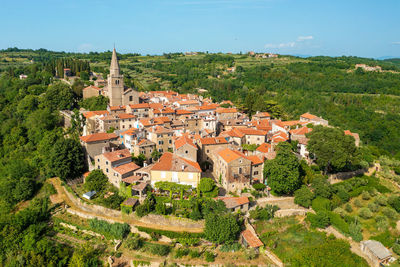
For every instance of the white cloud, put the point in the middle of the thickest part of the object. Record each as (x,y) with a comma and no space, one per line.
(396,43)
(281,45)
(304,38)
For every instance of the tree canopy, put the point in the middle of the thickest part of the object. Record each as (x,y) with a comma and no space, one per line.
(282,173)
(331,148)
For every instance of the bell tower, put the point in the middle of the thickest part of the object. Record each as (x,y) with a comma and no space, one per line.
(115,82)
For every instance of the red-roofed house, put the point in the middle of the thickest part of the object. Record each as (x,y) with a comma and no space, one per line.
(261,116)
(91,91)
(185,148)
(299,133)
(232,169)
(116,165)
(227,113)
(93,144)
(307,117)
(172,168)
(235,203)
(162,137)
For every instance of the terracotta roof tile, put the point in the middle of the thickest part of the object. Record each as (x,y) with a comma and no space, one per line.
(301,131)
(308,116)
(117,155)
(229,155)
(233,202)
(213,140)
(183,140)
(90,114)
(92,87)
(264,148)
(172,162)
(251,239)
(98,137)
(226,110)
(125,168)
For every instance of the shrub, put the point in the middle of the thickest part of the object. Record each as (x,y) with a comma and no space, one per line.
(348,207)
(373,207)
(320,219)
(321,186)
(365,195)
(170,234)
(394,201)
(373,192)
(134,241)
(357,203)
(250,254)
(194,253)
(155,236)
(265,213)
(231,246)
(381,200)
(390,213)
(396,248)
(158,249)
(321,203)
(355,231)
(259,186)
(343,194)
(187,241)
(96,180)
(181,252)
(335,201)
(303,196)
(382,225)
(209,256)
(110,230)
(340,211)
(141,210)
(365,213)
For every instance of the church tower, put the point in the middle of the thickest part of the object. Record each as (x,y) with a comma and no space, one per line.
(115,82)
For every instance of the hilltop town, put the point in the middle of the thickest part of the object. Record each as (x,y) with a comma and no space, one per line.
(197,158)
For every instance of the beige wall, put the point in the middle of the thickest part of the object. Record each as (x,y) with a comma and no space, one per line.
(189,178)
(187,151)
(227,172)
(162,141)
(96,148)
(90,92)
(145,150)
(104,164)
(255,139)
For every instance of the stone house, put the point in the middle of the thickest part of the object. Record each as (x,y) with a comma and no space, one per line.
(261,116)
(185,148)
(94,144)
(91,91)
(162,137)
(249,239)
(208,148)
(116,165)
(92,121)
(172,168)
(145,147)
(376,252)
(299,133)
(226,113)
(139,110)
(232,169)
(257,167)
(309,118)
(234,204)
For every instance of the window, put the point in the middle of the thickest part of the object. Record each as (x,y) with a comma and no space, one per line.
(116,81)
(159,142)
(186,151)
(207,124)
(106,162)
(208,151)
(240,170)
(170,141)
(163,175)
(256,172)
(130,98)
(106,170)
(98,167)
(98,160)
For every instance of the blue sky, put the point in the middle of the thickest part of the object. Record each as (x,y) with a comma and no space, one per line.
(368,28)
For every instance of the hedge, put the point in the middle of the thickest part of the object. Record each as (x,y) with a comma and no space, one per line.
(321,204)
(109,230)
(170,234)
(339,223)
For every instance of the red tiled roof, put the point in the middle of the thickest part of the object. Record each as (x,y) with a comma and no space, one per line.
(90,114)
(132,179)
(126,116)
(160,130)
(249,131)
(130,131)
(139,106)
(188,102)
(251,239)
(145,122)
(117,155)
(226,110)
(183,112)
(213,140)
(145,142)
(309,116)
(172,162)
(181,141)
(232,202)
(255,160)
(117,107)
(98,137)
(262,114)
(264,147)
(229,155)
(125,168)
(301,131)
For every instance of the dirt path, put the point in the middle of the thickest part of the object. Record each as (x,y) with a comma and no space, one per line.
(74,209)
(354,246)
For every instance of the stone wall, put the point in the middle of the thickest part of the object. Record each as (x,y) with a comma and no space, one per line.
(333,178)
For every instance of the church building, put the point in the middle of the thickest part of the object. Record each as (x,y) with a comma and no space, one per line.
(115,89)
